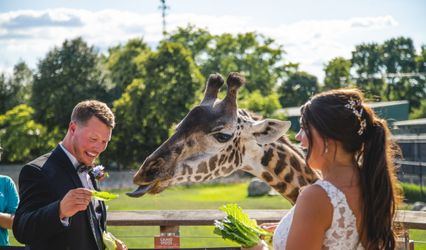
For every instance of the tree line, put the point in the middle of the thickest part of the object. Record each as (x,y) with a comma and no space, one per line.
(151,90)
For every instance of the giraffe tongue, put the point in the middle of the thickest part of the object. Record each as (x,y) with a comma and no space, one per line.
(141,190)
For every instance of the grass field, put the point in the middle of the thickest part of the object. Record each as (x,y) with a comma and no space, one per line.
(197,197)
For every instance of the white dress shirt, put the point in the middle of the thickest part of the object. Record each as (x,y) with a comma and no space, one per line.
(85,180)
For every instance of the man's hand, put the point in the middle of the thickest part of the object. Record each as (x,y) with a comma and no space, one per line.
(74,201)
(120,245)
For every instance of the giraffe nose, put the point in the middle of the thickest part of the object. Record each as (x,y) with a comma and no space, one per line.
(149,171)
(151,174)
(145,176)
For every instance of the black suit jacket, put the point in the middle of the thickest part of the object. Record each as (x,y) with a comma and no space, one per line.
(42,184)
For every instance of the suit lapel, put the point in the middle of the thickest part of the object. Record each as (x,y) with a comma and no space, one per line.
(68,167)
(72,173)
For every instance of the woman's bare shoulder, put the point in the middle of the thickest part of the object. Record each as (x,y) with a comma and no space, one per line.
(314,201)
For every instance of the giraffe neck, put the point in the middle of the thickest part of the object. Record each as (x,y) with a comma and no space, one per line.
(282,166)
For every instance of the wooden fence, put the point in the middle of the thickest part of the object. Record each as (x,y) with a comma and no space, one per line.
(170,220)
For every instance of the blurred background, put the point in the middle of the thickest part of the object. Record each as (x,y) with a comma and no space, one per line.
(149,60)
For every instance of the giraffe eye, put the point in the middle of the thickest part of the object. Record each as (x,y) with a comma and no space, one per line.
(221,137)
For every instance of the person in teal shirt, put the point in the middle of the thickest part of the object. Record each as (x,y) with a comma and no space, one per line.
(8,203)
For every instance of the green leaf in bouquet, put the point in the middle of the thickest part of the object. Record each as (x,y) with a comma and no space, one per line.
(235,211)
(103,196)
(238,227)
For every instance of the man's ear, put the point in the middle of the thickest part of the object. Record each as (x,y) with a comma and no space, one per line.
(269,130)
(72,126)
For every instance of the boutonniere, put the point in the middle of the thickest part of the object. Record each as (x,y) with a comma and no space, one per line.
(99,172)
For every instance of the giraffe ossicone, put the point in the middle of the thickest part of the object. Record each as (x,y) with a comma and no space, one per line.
(216,139)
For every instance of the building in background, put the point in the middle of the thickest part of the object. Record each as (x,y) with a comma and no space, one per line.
(391,111)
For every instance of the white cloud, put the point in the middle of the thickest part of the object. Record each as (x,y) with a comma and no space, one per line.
(29,34)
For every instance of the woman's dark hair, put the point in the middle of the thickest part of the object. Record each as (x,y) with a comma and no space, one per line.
(343,116)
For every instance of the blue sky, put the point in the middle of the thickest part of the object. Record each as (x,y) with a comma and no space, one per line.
(312,32)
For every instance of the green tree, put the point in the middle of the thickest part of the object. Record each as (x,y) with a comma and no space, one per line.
(421,66)
(150,106)
(264,105)
(258,57)
(125,63)
(6,94)
(367,63)
(337,73)
(297,89)
(197,40)
(399,58)
(23,79)
(64,77)
(421,61)
(252,54)
(419,112)
(15,89)
(21,137)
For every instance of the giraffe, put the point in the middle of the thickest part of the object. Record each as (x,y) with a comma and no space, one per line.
(216,139)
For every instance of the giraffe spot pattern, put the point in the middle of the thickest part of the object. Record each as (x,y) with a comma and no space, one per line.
(178,149)
(280,187)
(267,157)
(302,181)
(281,164)
(293,195)
(237,159)
(217,172)
(295,163)
(228,170)
(212,163)
(265,132)
(190,143)
(202,168)
(222,159)
(186,169)
(231,157)
(179,179)
(267,176)
(207,177)
(289,176)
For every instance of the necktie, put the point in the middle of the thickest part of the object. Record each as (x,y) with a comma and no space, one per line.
(95,225)
(82,168)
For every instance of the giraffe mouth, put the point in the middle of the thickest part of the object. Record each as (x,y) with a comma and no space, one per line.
(141,190)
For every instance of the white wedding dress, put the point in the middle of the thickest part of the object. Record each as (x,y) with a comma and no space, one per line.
(341,235)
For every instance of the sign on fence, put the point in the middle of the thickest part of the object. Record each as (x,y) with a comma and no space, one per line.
(166,241)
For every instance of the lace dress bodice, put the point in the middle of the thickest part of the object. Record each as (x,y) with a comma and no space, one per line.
(342,233)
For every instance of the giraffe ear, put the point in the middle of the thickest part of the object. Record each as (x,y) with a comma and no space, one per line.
(269,130)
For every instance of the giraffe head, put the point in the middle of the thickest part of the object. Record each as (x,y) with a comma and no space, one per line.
(214,139)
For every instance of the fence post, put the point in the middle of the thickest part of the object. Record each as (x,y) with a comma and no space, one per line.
(169,230)
(168,238)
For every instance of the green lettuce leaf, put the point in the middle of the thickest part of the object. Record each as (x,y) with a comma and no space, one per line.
(103,196)
(238,227)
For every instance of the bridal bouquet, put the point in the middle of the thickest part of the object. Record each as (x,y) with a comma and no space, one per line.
(238,227)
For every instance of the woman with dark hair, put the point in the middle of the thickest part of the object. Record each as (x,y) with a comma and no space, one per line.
(353,205)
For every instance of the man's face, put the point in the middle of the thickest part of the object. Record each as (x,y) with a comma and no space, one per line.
(89,140)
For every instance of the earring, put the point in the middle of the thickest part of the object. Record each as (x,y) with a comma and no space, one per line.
(326,147)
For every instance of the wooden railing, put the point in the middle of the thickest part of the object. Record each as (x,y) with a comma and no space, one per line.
(170,220)
(167,218)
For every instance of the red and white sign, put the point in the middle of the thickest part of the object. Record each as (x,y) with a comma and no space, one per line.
(162,241)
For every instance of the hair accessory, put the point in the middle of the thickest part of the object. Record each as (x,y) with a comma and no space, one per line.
(352,105)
